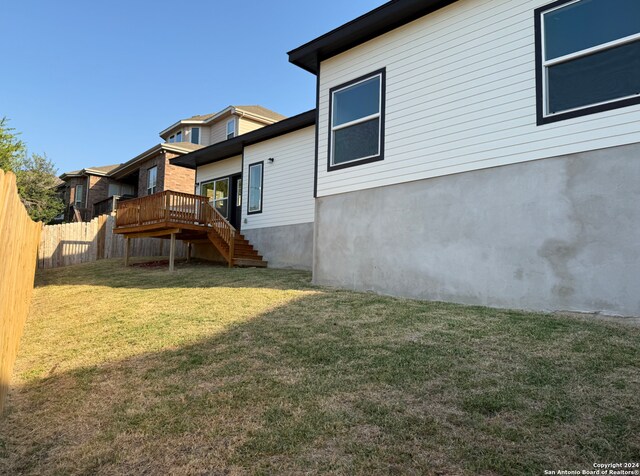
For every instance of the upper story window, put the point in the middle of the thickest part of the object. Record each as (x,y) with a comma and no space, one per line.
(172,138)
(588,57)
(152,180)
(120,189)
(179,136)
(195,135)
(254,203)
(78,198)
(231,129)
(356,114)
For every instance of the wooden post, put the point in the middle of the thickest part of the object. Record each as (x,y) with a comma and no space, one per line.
(232,246)
(172,251)
(126,250)
(189,252)
(101,238)
(167,205)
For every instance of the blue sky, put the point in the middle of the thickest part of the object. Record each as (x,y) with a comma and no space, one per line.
(93,83)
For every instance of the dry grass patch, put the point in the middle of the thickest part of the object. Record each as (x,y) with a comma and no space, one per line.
(210,370)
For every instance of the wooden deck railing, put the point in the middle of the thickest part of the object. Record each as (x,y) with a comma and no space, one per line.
(175,208)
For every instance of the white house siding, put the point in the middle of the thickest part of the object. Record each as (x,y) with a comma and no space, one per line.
(218,130)
(287,183)
(222,168)
(460,96)
(247,125)
(204,135)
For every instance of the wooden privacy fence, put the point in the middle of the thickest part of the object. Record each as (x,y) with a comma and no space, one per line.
(81,242)
(20,236)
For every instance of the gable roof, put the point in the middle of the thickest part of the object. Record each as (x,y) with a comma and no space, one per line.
(130,165)
(99,170)
(117,169)
(232,147)
(258,112)
(261,111)
(381,20)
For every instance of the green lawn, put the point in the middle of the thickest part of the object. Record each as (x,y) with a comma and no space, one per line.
(217,371)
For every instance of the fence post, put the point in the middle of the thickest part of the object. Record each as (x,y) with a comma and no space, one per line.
(126,250)
(102,236)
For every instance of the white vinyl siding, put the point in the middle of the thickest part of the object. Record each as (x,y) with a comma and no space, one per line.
(223,168)
(247,125)
(460,96)
(218,131)
(287,182)
(204,135)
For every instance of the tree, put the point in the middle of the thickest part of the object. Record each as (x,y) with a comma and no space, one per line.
(36,179)
(35,176)
(12,149)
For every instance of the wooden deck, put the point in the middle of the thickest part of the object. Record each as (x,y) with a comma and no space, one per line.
(186,217)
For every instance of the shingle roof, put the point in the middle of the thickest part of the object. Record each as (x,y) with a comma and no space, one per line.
(105,169)
(183,145)
(262,111)
(255,109)
(199,117)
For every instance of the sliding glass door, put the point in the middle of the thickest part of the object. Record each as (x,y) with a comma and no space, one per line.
(218,193)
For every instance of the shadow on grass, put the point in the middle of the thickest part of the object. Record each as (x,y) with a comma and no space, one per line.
(341,382)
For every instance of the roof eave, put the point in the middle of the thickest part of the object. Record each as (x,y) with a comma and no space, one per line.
(379,21)
(234,146)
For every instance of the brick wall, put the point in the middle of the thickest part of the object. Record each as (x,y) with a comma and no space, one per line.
(69,195)
(157,160)
(98,189)
(178,179)
(170,177)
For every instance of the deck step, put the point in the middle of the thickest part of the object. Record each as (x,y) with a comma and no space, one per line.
(245,254)
(248,263)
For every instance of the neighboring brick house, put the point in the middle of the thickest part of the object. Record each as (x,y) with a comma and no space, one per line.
(81,189)
(93,191)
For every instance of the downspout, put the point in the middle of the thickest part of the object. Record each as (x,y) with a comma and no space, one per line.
(241,115)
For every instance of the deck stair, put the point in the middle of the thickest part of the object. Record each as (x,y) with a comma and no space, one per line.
(244,254)
(186,217)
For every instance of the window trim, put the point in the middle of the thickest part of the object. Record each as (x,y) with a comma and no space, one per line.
(75,196)
(231,121)
(381,114)
(255,164)
(155,186)
(191,135)
(541,76)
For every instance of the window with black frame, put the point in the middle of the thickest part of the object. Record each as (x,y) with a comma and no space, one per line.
(356,121)
(254,202)
(217,191)
(588,57)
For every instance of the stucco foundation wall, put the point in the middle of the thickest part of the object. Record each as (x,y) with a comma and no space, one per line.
(554,234)
(288,246)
